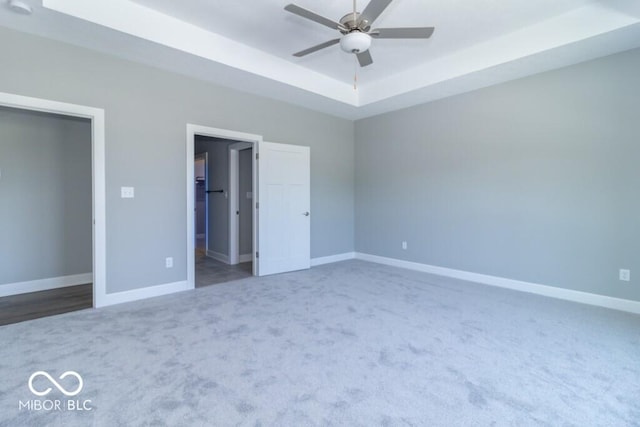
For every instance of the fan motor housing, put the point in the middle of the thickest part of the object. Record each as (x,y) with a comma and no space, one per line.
(351,22)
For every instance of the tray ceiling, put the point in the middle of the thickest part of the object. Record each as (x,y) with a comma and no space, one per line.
(249,45)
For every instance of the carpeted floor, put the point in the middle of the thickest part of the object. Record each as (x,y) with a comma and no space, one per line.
(347,344)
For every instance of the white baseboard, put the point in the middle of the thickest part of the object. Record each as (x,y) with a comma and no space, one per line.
(245,258)
(45,284)
(218,256)
(143,293)
(332,258)
(534,288)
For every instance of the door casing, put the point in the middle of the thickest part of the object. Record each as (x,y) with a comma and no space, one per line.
(192,131)
(96,115)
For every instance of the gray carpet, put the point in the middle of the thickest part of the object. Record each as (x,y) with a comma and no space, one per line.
(348,344)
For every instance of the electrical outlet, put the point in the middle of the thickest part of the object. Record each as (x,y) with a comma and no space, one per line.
(168,262)
(625,275)
(404,245)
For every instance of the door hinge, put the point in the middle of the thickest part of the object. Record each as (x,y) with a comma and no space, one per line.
(257,205)
(257,254)
(257,156)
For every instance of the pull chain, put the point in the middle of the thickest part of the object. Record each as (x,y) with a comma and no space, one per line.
(355,74)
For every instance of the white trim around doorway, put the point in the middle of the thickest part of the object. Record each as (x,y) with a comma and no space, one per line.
(192,131)
(96,115)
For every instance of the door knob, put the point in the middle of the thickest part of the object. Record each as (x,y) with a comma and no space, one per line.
(306,214)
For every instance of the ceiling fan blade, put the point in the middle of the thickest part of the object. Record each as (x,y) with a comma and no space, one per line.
(305,13)
(402,33)
(364,58)
(316,48)
(373,10)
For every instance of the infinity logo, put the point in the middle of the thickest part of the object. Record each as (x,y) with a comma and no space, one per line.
(55,383)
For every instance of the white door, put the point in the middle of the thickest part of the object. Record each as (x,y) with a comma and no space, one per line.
(284,217)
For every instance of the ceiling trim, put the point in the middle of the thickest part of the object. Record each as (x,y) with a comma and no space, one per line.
(581,24)
(597,29)
(132,18)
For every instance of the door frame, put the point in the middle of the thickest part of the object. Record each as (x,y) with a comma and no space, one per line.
(96,116)
(234,200)
(192,131)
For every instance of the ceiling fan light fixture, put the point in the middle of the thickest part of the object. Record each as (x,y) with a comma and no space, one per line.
(355,42)
(354,29)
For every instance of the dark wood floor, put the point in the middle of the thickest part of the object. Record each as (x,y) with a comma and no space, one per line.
(18,308)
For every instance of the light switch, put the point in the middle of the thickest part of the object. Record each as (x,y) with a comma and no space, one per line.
(126,192)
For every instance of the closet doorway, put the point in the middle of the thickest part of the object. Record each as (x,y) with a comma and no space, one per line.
(52,180)
(223,214)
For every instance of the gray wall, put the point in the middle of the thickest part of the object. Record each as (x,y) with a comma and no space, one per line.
(536,179)
(246,204)
(146,115)
(45,196)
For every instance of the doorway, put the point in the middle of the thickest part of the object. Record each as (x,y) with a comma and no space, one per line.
(223,220)
(67,184)
(280,202)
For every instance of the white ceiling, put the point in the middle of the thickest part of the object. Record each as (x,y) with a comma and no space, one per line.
(266,26)
(248,45)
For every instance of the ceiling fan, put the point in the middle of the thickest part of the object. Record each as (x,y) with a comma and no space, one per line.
(356,31)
